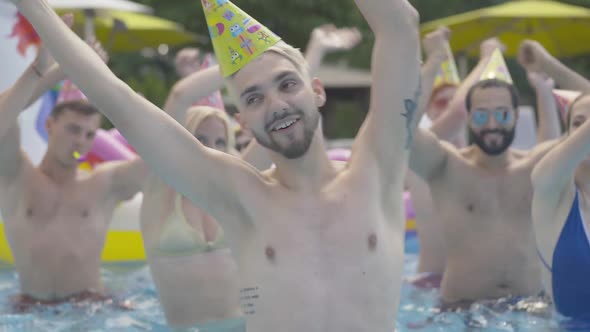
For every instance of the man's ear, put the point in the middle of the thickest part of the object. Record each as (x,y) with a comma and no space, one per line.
(319,92)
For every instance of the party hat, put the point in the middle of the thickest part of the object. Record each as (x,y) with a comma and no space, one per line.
(497,69)
(237,38)
(215,99)
(564,99)
(448,73)
(69,92)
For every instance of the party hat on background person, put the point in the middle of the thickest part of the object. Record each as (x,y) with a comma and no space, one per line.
(69,92)
(496,69)
(564,99)
(215,100)
(237,38)
(448,73)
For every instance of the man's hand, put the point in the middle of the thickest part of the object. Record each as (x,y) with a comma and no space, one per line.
(330,39)
(436,41)
(540,81)
(382,15)
(488,47)
(97,47)
(532,55)
(187,61)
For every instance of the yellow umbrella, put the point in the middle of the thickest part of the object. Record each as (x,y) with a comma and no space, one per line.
(562,29)
(131,32)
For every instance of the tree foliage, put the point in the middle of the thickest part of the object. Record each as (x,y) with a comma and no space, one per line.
(293,20)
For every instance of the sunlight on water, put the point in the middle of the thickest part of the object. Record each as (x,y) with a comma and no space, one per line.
(418,312)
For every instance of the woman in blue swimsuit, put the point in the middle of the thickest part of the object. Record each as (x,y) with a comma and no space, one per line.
(561,215)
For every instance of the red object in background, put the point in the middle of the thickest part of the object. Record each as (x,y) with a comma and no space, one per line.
(93,159)
(26,34)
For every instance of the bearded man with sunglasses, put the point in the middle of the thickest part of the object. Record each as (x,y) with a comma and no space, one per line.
(483,195)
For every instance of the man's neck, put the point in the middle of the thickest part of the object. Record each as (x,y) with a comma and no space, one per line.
(491,162)
(59,173)
(307,173)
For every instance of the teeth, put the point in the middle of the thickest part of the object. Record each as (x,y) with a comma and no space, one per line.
(285,125)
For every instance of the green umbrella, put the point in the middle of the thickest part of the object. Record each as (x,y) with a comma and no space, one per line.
(121,31)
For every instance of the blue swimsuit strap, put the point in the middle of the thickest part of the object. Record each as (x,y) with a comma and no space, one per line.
(543,260)
(539,252)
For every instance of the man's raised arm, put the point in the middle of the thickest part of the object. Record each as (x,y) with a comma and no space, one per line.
(554,173)
(193,87)
(326,39)
(15,100)
(547,114)
(384,140)
(435,46)
(169,150)
(535,58)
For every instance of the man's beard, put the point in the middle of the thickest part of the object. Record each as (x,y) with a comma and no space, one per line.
(295,149)
(494,149)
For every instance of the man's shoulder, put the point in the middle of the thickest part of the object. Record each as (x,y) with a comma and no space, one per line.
(98,180)
(104,171)
(460,154)
(26,170)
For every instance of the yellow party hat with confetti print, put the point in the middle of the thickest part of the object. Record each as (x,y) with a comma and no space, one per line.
(497,69)
(237,38)
(448,73)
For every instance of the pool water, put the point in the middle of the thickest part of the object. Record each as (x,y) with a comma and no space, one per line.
(133,284)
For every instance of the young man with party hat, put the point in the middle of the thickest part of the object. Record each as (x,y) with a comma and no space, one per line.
(320,242)
(445,116)
(483,196)
(189,260)
(56,216)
